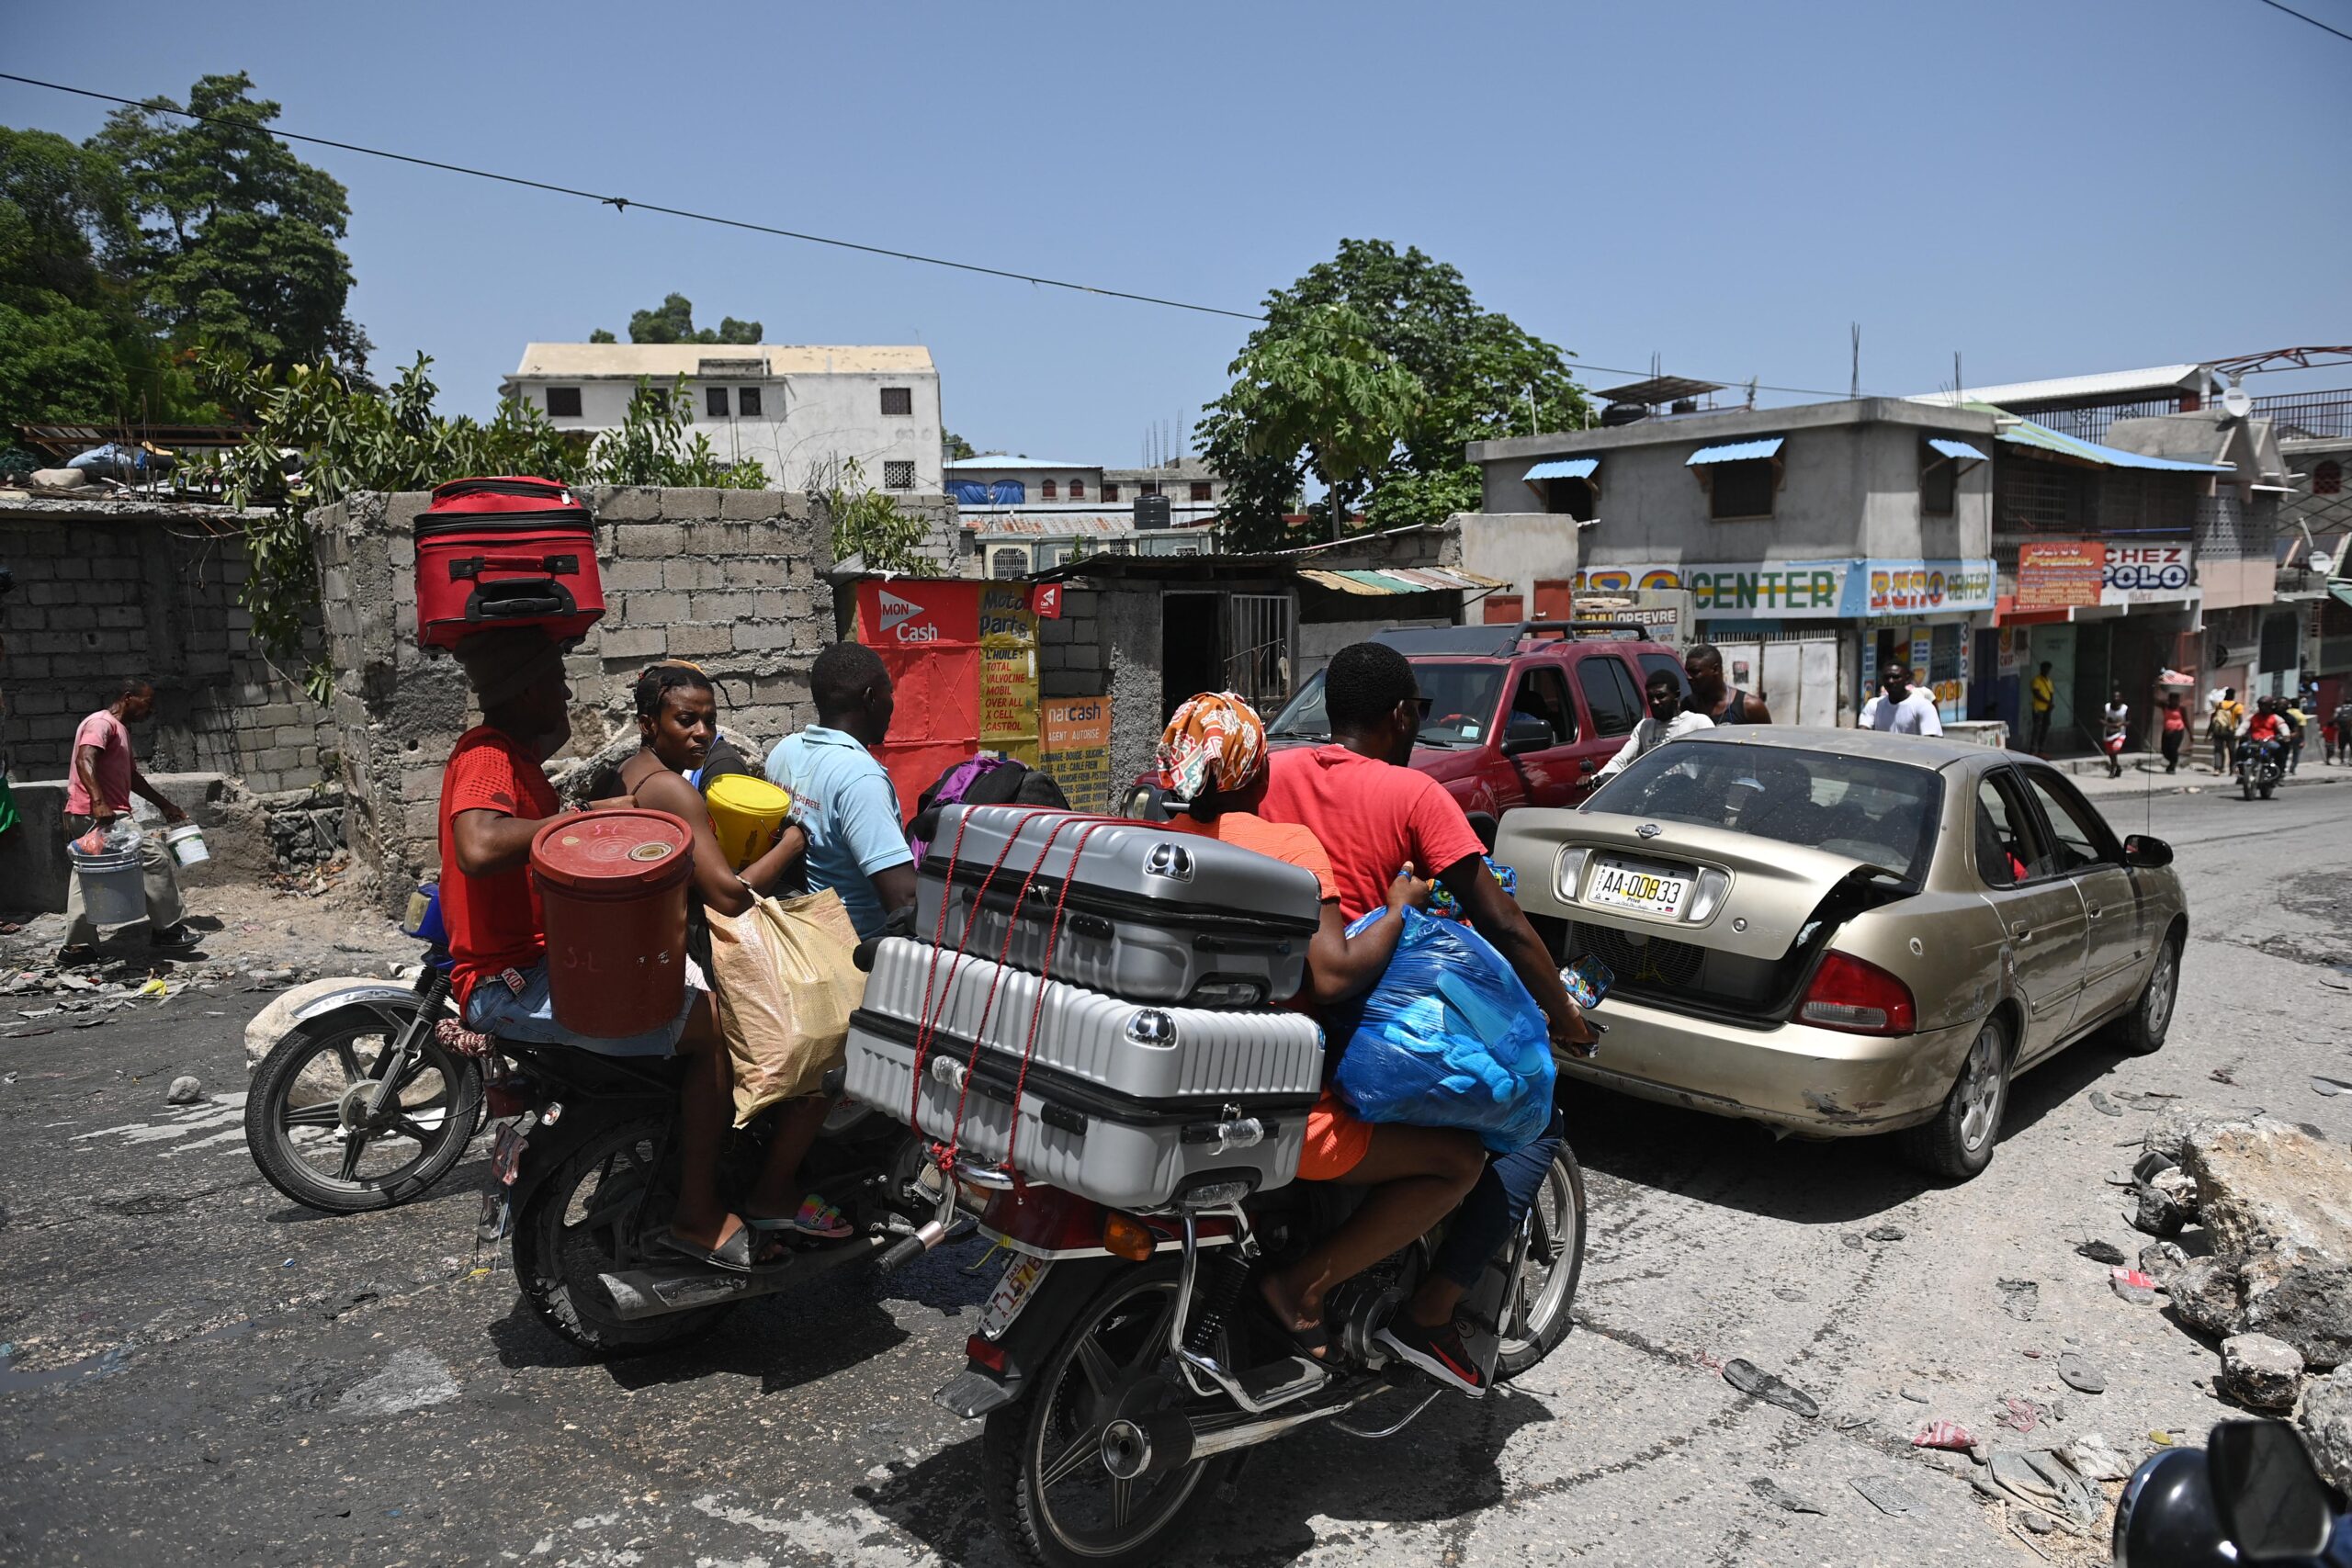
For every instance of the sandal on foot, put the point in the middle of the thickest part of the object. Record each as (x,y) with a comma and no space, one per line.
(735,1254)
(814,1217)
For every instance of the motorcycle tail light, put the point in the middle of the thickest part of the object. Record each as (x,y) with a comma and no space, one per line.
(1858,997)
(985,1352)
(1125,1236)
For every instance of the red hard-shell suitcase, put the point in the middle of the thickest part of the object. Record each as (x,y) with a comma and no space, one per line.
(505,551)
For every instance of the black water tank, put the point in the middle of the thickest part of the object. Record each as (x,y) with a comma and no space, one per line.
(1623,413)
(1151,512)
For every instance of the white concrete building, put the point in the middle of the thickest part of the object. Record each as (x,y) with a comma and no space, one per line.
(797,410)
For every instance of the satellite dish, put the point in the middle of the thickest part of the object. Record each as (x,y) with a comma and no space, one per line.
(2323,563)
(2236,403)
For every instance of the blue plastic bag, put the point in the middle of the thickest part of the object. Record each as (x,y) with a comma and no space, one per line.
(1448,1037)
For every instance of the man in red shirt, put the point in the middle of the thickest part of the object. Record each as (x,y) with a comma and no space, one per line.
(495,798)
(1374,816)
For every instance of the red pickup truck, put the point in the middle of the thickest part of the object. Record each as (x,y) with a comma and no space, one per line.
(1521,714)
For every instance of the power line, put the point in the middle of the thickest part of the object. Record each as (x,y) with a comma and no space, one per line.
(2313,20)
(622,204)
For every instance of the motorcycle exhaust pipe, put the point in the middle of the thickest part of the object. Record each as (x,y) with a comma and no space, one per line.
(639,1293)
(1140,1448)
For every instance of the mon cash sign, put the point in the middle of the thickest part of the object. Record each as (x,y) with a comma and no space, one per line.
(1808,589)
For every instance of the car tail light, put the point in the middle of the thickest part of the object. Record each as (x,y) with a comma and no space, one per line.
(1567,876)
(1858,997)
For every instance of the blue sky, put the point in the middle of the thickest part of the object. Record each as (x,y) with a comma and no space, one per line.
(2047,189)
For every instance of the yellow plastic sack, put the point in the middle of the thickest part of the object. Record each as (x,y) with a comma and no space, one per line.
(785,979)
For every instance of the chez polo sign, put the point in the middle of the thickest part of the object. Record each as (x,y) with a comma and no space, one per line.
(1807,590)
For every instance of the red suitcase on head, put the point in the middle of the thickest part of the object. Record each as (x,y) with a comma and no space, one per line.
(503,552)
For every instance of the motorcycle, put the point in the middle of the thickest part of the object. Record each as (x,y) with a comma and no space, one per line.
(2261,764)
(360,1106)
(2250,1495)
(1123,1370)
(586,1177)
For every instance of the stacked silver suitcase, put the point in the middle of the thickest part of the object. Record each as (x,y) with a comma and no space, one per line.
(1150,1058)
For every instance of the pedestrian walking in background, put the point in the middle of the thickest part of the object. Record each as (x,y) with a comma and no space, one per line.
(1905,709)
(1722,704)
(105,776)
(2343,729)
(2298,718)
(2045,694)
(2229,713)
(2176,732)
(2112,720)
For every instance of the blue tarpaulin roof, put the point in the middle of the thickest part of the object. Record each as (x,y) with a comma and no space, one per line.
(1960,450)
(1738,452)
(1565,468)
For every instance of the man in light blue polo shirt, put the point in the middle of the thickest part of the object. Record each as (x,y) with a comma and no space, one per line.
(845,802)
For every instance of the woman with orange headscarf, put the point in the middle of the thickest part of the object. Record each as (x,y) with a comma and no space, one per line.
(1213,771)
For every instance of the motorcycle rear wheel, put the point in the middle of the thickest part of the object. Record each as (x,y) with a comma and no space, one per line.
(314,1154)
(590,1216)
(1537,1314)
(1049,1491)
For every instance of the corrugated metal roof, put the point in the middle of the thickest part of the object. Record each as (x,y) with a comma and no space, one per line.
(1401,579)
(588,361)
(2155,381)
(1959,449)
(1736,452)
(2025,433)
(999,463)
(1565,468)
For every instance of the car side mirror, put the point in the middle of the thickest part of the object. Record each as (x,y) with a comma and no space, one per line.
(1524,733)
(2147,851)
(2273,1505)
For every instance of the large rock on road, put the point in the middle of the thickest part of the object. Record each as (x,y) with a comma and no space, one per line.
(2265,1186)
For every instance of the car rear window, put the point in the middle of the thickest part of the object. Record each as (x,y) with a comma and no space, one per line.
(1882,813)
(1609,692)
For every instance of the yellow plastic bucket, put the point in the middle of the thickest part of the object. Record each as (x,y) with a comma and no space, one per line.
(745,812)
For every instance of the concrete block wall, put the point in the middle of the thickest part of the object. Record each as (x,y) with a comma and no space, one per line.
(1107,643)
(111,588)
(733,579)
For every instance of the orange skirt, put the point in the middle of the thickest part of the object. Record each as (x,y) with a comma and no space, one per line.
(1337,1140)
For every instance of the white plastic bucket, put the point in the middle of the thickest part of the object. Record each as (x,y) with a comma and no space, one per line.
(113,890)
(186,840)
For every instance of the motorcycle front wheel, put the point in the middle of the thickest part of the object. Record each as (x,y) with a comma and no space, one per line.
(590,1217)
(1049,1491)
(306,1121)
(1536,1314)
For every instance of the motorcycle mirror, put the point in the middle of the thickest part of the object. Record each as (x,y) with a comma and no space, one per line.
(2166,1517)
(2273,1505)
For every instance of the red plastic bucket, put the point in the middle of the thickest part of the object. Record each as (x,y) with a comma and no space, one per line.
(613,888)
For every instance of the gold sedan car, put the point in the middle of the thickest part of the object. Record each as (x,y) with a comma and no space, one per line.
(1836,932)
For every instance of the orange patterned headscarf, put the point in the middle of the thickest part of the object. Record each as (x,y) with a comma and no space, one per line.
(1215,742)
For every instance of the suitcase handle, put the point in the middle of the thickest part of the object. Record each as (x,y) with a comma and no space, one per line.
(1241,945)
(474,566)
(519,598)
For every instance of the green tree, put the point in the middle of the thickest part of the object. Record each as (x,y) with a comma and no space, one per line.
(1322,398)
(230,240)
(953,448)
(1477,370)
(673,320)
(869,524)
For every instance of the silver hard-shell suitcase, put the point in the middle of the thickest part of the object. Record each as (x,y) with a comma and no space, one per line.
(1127,1103)
(1153,915)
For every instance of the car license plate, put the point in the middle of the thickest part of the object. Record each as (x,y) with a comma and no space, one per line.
(1622,886)
(1012,1294)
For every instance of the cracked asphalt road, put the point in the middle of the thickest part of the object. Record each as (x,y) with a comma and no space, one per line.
(203,1374)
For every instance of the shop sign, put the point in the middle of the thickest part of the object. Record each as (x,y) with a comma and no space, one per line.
(1738,591)
(2061,575)
(1928,587)
(2134,574)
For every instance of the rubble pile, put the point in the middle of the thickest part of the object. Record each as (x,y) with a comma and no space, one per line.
(305,826)
(2263,1210)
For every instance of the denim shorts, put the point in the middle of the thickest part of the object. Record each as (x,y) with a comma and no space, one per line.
(493,1010)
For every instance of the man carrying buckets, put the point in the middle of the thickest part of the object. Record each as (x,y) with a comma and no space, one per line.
(494,798)
(105,776)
